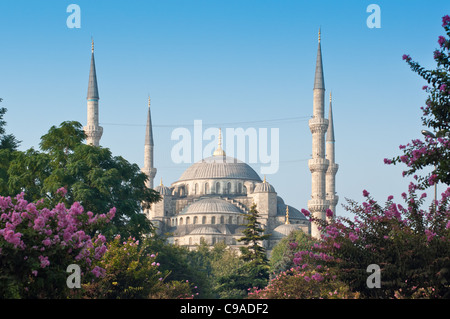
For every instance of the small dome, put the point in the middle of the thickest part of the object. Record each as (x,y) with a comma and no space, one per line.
(205,230)
(264,187)
(283,230)
(211,205)
(163,190)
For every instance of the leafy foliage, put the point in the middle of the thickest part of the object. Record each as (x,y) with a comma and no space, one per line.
(91,175)
(435,150)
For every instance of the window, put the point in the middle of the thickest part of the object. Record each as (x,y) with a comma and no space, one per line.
(217,188)
(206,188)
(228,188)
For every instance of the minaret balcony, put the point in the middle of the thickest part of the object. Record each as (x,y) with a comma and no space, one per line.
(332,169)
(318,125)
(318,205)
(318,165)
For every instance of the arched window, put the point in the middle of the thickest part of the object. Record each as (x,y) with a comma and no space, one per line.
(206,188)
(195,219)
(228,188)
(245,190)
(217,188)
(222,220)
(188,220)
(240,188)
(213,220)
(230,220)
(181,221)
(190,240)
(204,220)
(195,189)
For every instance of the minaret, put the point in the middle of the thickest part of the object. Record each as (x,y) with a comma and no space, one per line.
(92,130)
(332,167)
(148,169)
(318,165)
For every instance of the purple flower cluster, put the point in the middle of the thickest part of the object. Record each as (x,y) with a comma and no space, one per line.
(40,233)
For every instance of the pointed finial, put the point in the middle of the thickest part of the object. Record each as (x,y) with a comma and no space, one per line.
(319,34)
(264,179)
(92,39)
(219,151)
(160,183)
(149,100)
(330,96)
(287,215)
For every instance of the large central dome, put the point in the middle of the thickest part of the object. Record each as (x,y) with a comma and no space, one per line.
(220,167)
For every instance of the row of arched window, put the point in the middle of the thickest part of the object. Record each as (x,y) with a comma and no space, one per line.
(230,220)
(214,188)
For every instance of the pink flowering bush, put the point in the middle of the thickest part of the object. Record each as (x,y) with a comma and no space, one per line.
(37,244)
(434,150)
(130,271)
(411,245)
(304,282)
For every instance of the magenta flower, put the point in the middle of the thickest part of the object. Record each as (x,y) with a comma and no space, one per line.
(445,20)
(441,40)
(62,191)
(443,87)
(305,212)
(365,193)
(437,54)
(387,161)
(406,57)
(329,213)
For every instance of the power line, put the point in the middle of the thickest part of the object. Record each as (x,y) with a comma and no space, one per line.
(272,121)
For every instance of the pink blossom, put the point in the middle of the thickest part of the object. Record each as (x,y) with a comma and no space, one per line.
(441,40)
(443,87)
(305,212)
(329,213)
(44,261)
(365,193)
(406,57)
(445,21)
(62,191)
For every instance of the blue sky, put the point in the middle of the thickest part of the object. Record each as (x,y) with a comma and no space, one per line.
(226,62)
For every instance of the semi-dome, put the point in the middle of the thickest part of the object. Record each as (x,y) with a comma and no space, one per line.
(219,166)
(283,230)
(211,205)
(264,187)
(163,190)
(205,230)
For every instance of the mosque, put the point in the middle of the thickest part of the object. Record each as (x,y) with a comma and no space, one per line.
(211,198)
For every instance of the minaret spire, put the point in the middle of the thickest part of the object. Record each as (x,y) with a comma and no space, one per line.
(333,167)
(318,164)
(92,129)
(149,168)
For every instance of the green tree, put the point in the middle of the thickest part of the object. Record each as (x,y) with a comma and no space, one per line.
(7,141)
(283,253)
(8,146)
(254,272)
(91,175)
